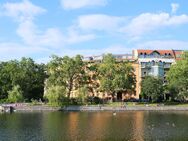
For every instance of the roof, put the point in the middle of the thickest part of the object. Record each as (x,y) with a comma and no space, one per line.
(161,52)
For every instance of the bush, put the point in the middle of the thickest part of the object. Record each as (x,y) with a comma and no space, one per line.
(15,95)
(82,95)
(55,94)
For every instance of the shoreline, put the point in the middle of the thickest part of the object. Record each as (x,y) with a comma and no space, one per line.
(128,108)
(31,108)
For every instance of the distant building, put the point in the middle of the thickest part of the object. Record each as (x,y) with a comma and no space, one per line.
(145,62)
(154,63)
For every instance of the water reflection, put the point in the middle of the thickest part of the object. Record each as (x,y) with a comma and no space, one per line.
(134,126)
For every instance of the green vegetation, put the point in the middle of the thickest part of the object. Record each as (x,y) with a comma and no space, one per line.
(152,88)
(66,72)
(178,79)
(15,95)
(176,86)
(116,76)
(64,77)
(27,74)
(55,94)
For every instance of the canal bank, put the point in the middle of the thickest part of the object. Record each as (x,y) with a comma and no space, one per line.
(30,108)
(128,108)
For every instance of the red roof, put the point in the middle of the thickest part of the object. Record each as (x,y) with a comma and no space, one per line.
(161,52)
(175,53)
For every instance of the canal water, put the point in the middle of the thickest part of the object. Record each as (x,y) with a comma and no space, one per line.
(94,126)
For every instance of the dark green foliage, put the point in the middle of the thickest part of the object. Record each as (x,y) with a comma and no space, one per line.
(178,79)
(152,88)
(15,95)
(116,76)
(25,73)
(67,72)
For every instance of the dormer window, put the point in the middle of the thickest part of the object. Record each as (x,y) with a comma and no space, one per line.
(141,53)
(169,54)
(145,53)
(165,54)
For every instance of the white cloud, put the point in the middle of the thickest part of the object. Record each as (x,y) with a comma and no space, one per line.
(76,4)
(16,51)
(24,13)
(148,22)
(33,36)
(100,22)
(174,7)
(22,10)
(114,49)
(74,37)
(163,44)
(118,49)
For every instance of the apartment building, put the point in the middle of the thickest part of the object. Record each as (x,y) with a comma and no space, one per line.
(154,63)
(145,62)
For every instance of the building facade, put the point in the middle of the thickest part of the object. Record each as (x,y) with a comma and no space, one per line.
(154,63)
(145,62)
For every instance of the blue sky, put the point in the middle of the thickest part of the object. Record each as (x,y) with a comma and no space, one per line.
(40,28)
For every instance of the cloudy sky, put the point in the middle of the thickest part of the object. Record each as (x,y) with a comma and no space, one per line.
(40,28)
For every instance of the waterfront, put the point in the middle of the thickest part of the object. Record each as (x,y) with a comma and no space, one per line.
(138,125)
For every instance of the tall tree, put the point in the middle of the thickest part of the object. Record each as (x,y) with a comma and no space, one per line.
(116,76)
(178,78)
(25,73)
(66,71)
(152,88)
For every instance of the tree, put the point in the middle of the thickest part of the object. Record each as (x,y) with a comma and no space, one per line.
(152,88)
(82,94)
(177,78)
(67,72)
(8,70)
(31,78)
(107,74)
(25,73)
(55,94)
(16,94)
(116,76)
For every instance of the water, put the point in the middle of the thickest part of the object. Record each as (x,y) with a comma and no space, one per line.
(94,126)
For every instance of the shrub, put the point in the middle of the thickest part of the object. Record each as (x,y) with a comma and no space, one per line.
(15,95)
(55,94)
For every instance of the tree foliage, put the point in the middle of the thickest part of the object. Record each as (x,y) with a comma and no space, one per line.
(67,72)
(178,78)
(116,76)
(55,94)
(152,88)
(25,73)
(16,94)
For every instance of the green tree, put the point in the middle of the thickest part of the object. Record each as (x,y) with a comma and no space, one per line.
(177,78)
(31,78)
(67,72)
(25,73)
(16,94)
(116,76)
(7,71)
(55,94)
(82,94)
(107,73)
(152,88)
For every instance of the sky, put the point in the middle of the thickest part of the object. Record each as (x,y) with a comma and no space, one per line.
(41,28)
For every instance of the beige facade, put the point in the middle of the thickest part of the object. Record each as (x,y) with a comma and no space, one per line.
(144,62)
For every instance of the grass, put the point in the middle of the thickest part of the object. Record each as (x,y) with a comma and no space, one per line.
(139,104)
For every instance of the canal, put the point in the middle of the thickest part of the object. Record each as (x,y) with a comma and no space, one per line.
(94,126)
